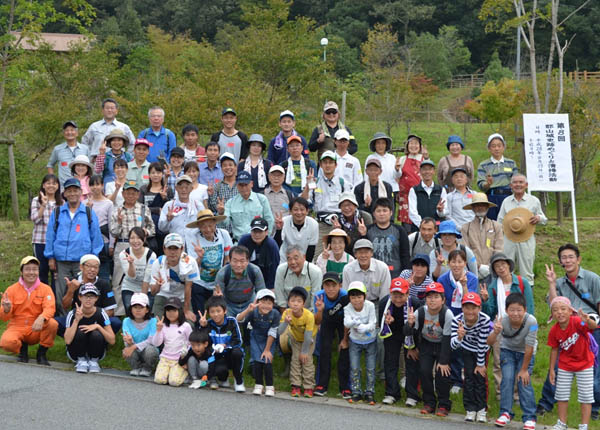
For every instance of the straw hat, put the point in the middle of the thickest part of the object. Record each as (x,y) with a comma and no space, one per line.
(205,215)
(336,232)
(516,225)
(479,198)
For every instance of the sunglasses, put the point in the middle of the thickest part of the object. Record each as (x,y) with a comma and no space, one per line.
(330,112)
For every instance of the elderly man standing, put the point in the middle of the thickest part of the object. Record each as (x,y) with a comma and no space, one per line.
(162,139)
(297,272)
(29,306)
(97,131)
(519,214)
(483,235)
(73,232)
(241,209)
(66,152)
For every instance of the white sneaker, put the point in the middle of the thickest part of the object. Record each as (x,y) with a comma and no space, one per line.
(560,425)
(135,372)
(470,416)
(94,366)
(529,425)
(455,389)
(196,383)
(224,384)
(214,385)
(388,400)
(269,391)
(145,372)
(82,366)
(403,382)
(240,388)
(482,416)
(410,403)
(583,427)
(502,420)
(257,390)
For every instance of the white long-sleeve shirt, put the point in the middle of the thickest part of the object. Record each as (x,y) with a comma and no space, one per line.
(413,213)
(362,324)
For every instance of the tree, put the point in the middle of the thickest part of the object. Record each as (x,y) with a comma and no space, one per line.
(498,102)
(495,71)
(403,12)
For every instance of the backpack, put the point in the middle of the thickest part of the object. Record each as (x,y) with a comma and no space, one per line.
(595,349)
(227,275)
(88,212)
(421,318)
(412,250)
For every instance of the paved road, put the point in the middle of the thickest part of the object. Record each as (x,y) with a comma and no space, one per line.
(66,400)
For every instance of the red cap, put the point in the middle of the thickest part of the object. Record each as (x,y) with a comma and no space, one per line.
(399,284)
(472,298)
(434,287)
(141,141)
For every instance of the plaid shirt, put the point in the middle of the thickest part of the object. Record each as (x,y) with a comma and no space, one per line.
(40,223)
(172,178)
(222,191)
(131,218)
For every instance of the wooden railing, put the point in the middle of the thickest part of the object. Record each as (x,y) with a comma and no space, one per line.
(477,79)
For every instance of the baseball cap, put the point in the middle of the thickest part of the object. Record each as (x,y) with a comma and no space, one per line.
(399,284)
(330,105)
(243,177)
(173,302)
(140,299)
(70,123)
(131,184)
(173,239)
(332,276)
(259,224)
(88,288)
(276,168)
(342,134)
(363,243)
(89,257)
(420,257)
(27,260)
(227,155)
(183,178)
(472,298)
(427,163)
(357,286)
(328,154)
(458,169)
(142,142)
(294,138)
(373,161)
(434,287)
(228,110)
(72,182)
(265,292)
(178,152)
(287,113)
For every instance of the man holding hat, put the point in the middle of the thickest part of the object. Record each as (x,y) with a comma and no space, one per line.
(460,196)
(210,247)
(263,249)
(426,199)
(241,209)
(483,235)
(178,213)
(494,174)
(519,214)
(137,169)
(278,150)
(162,139)
(73,231)
(96,133)
(29,306)
(229,138)
(66,152)
(116,141)
(322,137)
(348,166)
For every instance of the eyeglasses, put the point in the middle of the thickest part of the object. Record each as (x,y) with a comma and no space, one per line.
(331,112)
(91,266)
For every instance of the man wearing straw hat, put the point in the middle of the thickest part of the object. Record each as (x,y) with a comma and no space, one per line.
(519,214)
(483,235)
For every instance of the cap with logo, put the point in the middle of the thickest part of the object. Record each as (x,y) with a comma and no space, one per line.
(173,239)
(471,298)
(88,288)
(244,177)
(399,285)
(259,224)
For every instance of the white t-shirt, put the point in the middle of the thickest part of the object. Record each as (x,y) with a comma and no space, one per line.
(175,277)
(109,189)
(143,270)
(348,167)
(290,235)
(214,253)
(190,154)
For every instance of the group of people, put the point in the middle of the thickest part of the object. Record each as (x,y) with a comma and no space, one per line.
(197,254)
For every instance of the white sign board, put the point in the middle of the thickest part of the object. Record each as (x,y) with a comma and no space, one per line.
(548,152)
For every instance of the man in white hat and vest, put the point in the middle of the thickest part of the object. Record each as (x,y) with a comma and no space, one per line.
(519,214)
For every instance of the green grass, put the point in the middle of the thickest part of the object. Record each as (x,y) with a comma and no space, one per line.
(15,243)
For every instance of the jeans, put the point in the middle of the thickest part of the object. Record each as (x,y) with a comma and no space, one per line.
(510,363)
(355,350)
(547,400)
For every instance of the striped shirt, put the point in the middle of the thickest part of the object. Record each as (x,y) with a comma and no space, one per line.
(416,291)
(501,171)
(475,339)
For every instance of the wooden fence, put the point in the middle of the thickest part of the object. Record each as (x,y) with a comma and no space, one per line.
(477,79)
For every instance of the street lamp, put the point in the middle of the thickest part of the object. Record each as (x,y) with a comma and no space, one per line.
(324,43)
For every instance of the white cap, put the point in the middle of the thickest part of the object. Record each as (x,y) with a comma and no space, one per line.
(342,134)
(226,155)
(140,299)
(287,113)
(276,168)
(265,292)
(173,239)
(495,136)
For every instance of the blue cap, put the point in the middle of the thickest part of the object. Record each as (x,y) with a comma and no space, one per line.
(455,139)
(72,182)
(448,227)
(244,177)
(421,257)
(427,162)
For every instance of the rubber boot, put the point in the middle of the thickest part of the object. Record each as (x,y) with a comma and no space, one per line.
(41,356)
(23,354)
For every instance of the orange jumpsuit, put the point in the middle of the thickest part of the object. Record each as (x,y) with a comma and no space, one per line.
(25,308)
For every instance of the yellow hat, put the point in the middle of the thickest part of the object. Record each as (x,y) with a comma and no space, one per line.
(27,260)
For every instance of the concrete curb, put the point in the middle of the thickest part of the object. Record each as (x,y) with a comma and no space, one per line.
(329,401)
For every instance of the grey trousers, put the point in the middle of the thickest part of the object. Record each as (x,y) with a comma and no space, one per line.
(146,358)
(64,269)
(197,369)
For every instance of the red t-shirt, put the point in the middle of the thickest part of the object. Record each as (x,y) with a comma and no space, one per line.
(573,344)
